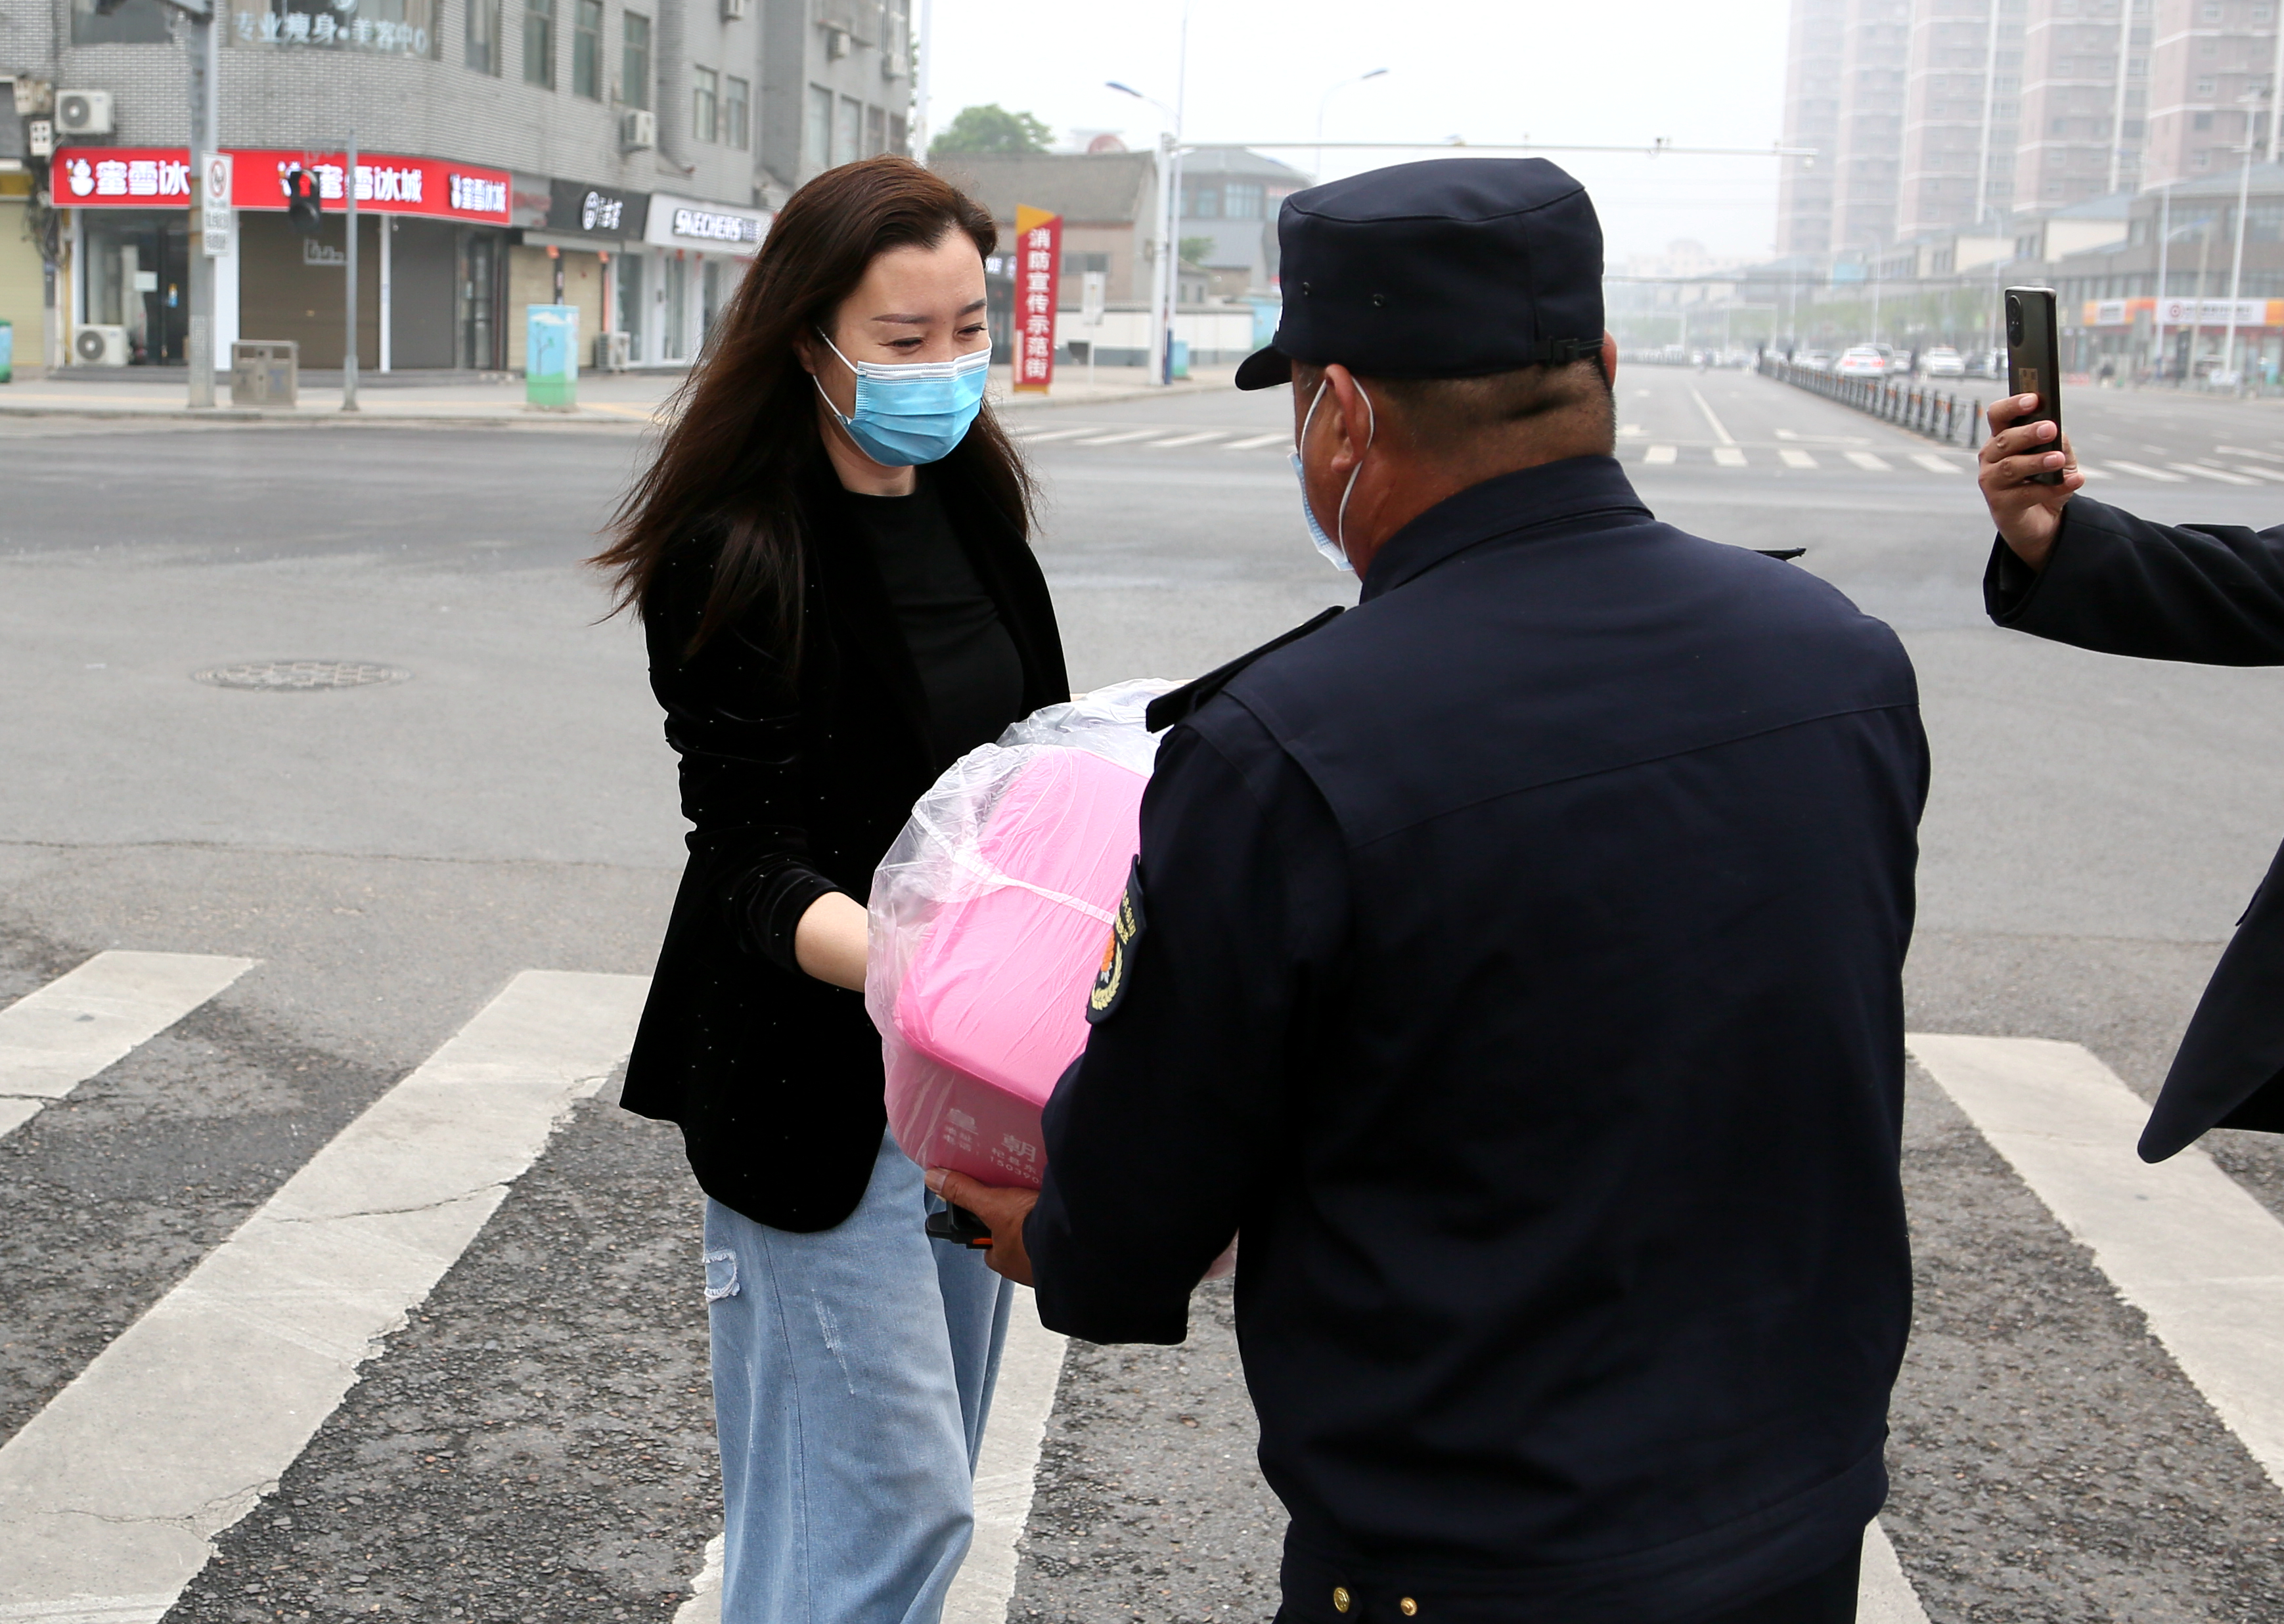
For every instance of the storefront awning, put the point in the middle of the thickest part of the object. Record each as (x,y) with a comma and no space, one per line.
(160,177)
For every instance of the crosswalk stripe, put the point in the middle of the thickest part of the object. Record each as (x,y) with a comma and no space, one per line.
(2265,457)
(1883,1595)
(1121,436)
(1728,456)
(1662,454)
(111,1494)
(1254,442)
(1868,461)
(55,1039)
(1933,464)
(1041,437)
(1008,1469)
(2273,475)
(1796,459)
(2181,1241)
(1187,440)
(2139,472)
(2221,474)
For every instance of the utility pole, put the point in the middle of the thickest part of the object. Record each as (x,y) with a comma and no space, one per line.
(2164,245)
(348,214)
(203,46)
(2117,111)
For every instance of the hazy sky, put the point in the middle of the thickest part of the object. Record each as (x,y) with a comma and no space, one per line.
(1621,72)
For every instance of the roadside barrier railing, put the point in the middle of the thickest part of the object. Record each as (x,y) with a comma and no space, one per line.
(1937,413)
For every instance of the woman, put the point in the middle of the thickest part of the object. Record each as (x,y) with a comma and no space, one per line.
(831,562)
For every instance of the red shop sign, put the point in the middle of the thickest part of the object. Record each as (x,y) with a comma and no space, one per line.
(1038,263)
(159,177)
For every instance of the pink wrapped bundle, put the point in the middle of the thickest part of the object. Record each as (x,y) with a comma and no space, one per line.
(989,916)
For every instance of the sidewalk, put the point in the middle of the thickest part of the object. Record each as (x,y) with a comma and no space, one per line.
(612,400)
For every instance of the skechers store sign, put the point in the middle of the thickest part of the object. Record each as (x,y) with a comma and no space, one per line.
(577,209)
(687,222)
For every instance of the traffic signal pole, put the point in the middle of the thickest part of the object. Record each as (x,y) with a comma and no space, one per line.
(205,48)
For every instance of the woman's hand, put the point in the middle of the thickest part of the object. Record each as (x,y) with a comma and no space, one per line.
(2028,515)
(829,942)
(1002,1211)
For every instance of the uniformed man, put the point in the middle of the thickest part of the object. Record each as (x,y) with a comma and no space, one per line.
(1515,960)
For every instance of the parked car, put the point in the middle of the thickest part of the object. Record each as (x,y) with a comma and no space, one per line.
(1987,363)
(1814,360)
(1861,360)
(1942,362)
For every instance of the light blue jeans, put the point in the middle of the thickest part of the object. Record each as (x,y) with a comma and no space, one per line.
(852,1374)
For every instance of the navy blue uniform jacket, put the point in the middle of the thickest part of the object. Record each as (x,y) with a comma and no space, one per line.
(1518,965)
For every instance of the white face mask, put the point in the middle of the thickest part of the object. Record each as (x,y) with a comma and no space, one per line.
(1335,547)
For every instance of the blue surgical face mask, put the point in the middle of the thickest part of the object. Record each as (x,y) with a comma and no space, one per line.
(911,412)
(1334,547)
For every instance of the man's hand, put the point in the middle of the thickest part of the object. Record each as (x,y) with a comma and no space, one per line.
(2028,515)
(1003,1212)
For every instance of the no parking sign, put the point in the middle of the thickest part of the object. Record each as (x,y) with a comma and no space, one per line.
(217,221)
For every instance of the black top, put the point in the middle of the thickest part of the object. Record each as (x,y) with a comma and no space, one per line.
(1516,962)
(2213,594)
(794,784)
(968,668)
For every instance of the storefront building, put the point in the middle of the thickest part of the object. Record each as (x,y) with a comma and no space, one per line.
(692,256)
(571,239)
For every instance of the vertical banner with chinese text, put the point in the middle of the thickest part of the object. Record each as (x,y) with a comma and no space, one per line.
(1038,269)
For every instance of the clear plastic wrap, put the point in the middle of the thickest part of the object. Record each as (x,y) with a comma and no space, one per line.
(989,918)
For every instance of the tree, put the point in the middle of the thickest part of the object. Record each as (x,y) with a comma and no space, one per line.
(1194,249)
(991,129)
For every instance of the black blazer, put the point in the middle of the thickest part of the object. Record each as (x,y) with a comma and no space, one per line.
(2213,594)
(795,788)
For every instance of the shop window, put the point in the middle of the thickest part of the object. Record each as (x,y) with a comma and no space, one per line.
(587,51)
(629,310)
(849,130)
(388,28)
(539,44)
(137,22)
(738,113)
(634,49)
(820,126)
(876,131)
(483,46)
(709,300)
(676,325)
(900,136)
(705,103)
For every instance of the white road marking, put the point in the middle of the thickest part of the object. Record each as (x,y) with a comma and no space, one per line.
(1883,1596)
(1792,458)
(1719,433)
(1256,441)
(2138,472)
(2181,1241)
(1660,454)
(55,1039)
(1028,1372)
(1869,461)
(2225,477)
(1039,437)
(1629,431)
(1030,1368)
(1933,464)
(1188,440)
(110,1495)
(1121,436)
(2273,475)
(2265,457)
(1728,456)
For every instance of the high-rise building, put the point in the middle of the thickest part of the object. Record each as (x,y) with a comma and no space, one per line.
(2212,69)
(1868,153)
(1811,119)
(1959,115)
(2083,121)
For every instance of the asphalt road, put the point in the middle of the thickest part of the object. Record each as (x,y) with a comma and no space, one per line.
(534,1442)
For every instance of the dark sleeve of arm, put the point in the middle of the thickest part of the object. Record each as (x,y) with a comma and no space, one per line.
(2211,594)
(1160,1130)
(733,719)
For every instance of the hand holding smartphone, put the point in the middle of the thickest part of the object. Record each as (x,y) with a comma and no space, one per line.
(2034,360)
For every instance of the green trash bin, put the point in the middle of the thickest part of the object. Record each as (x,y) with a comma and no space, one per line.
(7,352)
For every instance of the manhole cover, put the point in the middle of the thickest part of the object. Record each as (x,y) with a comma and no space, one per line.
(300,675)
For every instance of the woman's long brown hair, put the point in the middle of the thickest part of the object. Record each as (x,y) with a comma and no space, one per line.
(744,439)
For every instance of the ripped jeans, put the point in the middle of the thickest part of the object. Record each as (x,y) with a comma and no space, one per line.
(852,1374)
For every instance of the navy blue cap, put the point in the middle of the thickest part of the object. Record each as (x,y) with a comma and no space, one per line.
(1454,267)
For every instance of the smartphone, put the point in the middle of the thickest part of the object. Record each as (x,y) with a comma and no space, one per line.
(2034,360)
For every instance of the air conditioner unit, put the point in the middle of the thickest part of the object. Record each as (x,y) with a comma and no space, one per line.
(733,10)
(638,128)
(99,346)
(612,351)
(83,113)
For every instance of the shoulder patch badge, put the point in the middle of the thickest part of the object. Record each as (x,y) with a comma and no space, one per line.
(1102,1000)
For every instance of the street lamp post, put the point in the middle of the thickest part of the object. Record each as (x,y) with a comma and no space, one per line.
(2236,268)
(1324,101)
(1167,283)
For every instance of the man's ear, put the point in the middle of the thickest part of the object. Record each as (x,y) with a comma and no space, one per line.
(1609,358)
(1352,416)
